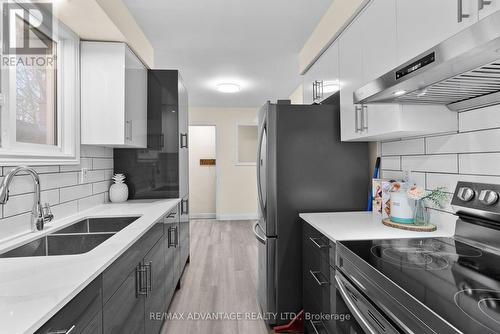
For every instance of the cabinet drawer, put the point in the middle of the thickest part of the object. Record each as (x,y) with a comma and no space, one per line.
(78,313)
(318,243)
(115,274)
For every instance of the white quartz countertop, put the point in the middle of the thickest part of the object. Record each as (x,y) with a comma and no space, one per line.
(364,226)
(33,289)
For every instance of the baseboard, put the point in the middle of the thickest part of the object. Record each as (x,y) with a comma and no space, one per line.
(241,216)
(202,215)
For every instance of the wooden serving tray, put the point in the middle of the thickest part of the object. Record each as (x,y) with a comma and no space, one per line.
(410,227)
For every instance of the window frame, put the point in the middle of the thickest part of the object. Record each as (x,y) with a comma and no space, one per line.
(237,161)
(67,103)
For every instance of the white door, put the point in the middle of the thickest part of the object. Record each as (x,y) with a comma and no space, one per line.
(202,176)
(424,23)
(351,77)
(487,7)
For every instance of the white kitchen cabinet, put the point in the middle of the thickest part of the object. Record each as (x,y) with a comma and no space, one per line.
(378,22)
(113,96)
(351,77)
(367,50)
(325,73)
(487,7)
(424,23)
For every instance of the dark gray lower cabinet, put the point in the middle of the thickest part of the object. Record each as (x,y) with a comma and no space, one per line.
(326,312)
(78,313)
(155,300)
(124,311)
(131,295)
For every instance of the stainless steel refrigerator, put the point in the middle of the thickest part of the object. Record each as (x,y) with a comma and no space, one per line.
(302,166)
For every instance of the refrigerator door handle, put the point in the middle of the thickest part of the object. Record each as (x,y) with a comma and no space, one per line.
(261,239)
(259,152)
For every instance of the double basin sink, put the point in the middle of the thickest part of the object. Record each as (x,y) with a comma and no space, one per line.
(78,238)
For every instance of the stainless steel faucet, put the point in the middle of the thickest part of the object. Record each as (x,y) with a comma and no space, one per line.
(39,215)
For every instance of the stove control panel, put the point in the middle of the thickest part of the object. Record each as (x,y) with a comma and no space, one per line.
(477,199)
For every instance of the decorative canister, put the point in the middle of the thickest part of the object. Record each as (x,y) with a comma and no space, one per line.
(402,208)
(118,192)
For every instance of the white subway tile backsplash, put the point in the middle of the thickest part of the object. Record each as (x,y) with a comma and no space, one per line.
(89,202)
(38,169)
(65,209)
(58,180)
(101,187)
(75,192)
(469,142)
(84,163)
(479,119)
(431,163)
(61,188)
(404,147)
(483,163)
(24,203)
(391,163)
(449,181)
(102,163)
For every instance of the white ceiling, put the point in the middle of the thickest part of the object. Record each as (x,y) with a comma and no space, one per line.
(252,42)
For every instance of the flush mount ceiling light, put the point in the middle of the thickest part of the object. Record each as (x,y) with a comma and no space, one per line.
(399,92)
(228,87)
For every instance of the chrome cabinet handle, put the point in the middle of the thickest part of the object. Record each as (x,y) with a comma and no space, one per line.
(149,279)
(482,3)
(357,115)
(139,281)
(63,331)
(170,239)
(460,11)
(317,244)
(176,236)
(364,117)
(315,274)
(184,211)
(317,90)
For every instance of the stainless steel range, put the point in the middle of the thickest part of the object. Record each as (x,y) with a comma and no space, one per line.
(429,285)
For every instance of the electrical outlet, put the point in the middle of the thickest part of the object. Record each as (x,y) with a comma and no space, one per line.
(84,174)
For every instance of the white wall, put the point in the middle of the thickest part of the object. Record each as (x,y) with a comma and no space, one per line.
(237,185)
(202,179)
(61,188)
(297,96)
(472,154)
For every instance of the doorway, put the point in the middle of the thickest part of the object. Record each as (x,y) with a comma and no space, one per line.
(202,171)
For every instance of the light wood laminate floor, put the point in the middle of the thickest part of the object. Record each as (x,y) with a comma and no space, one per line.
(221,277)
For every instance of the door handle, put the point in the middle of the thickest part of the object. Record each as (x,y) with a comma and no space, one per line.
(184,140)
(460,11)
(259,152)
(315,275)
(482,3)
(261,239)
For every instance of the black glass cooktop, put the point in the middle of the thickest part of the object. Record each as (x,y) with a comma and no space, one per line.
(458,282)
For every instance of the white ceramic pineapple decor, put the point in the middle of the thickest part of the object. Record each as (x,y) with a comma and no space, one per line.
(118,192)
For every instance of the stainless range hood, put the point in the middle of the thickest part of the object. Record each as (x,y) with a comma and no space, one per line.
(462,72)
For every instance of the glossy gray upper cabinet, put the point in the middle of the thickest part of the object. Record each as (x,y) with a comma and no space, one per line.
(322,79)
